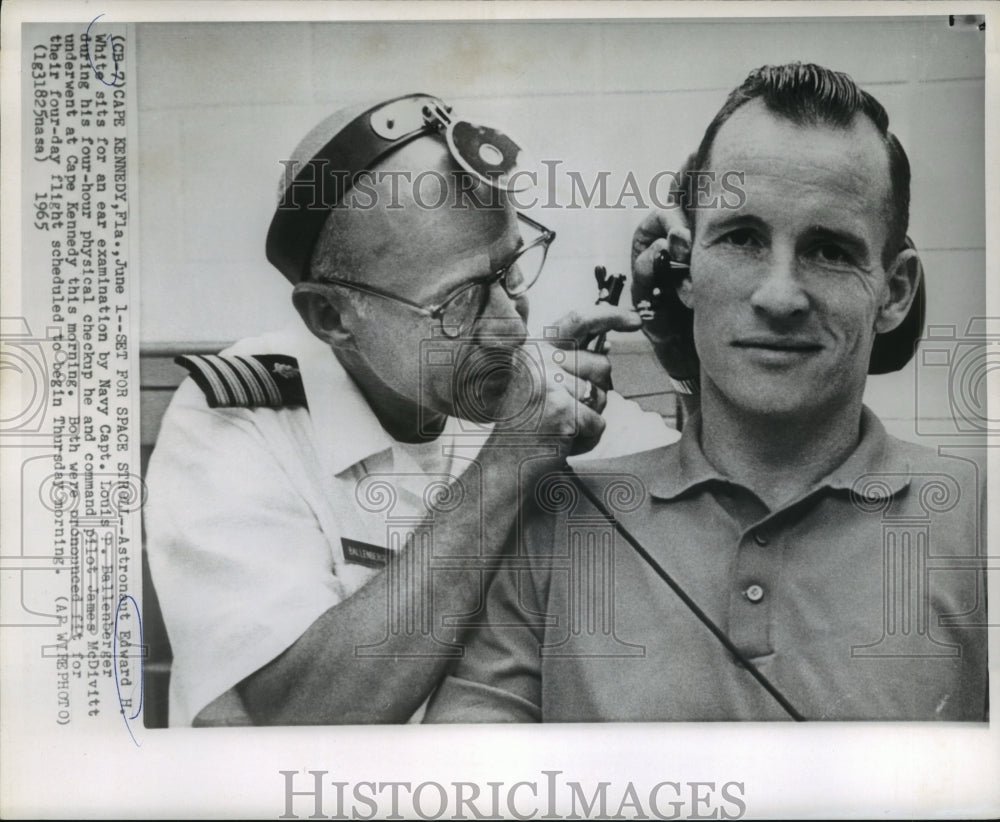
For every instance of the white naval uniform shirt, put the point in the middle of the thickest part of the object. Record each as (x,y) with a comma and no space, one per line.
(247,509)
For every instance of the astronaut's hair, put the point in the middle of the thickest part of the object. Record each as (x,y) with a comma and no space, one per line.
(807,94)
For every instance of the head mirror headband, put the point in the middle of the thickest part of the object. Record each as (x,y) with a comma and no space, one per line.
(322,182)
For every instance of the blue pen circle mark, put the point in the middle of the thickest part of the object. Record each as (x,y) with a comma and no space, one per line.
(99,75)
(128,598)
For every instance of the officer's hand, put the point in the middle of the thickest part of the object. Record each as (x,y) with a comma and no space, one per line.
(545,400)
(663,229)
(564,406)
(663,235)
(592,369)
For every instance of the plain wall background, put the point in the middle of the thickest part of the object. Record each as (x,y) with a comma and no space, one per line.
(221,104)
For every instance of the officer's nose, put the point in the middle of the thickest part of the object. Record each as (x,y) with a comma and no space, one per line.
(779,293)
(503,321)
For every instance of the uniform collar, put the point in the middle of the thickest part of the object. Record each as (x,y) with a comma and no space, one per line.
(346,429)
(876,468)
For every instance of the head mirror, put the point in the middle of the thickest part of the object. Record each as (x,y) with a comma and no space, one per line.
(320,185)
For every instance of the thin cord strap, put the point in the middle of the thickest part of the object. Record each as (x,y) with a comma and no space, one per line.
(693,606)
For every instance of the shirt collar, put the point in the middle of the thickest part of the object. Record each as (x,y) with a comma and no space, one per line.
(875,469)
(346,429)
(690,467)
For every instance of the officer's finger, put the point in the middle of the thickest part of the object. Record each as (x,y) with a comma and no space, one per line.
(597,401)
(656,224)
(588,394)
(590,365)
(590,427)
(679,244)
(642,268)
(565,412)
(580,388)
(579,327)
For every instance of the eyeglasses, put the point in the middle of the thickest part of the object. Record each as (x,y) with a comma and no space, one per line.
(459,311)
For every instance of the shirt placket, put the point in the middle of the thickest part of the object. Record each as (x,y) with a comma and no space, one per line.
(755,573)
(754,588)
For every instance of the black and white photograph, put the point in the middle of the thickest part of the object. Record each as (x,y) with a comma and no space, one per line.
(499,411)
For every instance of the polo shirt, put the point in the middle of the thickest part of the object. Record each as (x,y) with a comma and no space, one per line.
(859,600)
(248,510)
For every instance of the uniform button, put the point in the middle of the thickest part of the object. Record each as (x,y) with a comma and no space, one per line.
(754,593)
(759,538)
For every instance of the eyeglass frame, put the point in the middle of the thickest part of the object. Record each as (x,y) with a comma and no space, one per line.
(437,310)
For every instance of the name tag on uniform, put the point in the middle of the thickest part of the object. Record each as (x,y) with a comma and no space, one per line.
(364,553)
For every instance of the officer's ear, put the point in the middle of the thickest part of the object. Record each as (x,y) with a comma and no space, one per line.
(323,309)
(904,275)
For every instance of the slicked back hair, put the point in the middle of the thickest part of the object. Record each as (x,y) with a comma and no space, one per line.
(807,94)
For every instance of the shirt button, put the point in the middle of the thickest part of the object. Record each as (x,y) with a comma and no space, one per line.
(754,593)
(759,538)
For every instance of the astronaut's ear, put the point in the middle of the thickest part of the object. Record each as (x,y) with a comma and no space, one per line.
(904,275)
(326,311)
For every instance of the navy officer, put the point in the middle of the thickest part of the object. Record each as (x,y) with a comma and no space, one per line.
(304,483)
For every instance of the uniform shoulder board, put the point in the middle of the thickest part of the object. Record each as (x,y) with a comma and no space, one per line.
(247,381)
